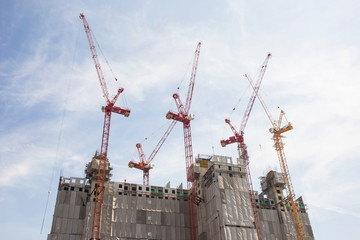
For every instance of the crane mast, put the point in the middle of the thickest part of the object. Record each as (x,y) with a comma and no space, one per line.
(242,148)
(144,164)
(108,110)
(184,117)
(277,130)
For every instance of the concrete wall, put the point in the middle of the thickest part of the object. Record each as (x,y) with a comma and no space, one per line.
(70,210)
(226,208)
(131,213)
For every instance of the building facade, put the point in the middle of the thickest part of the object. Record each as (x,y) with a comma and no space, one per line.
(134,211)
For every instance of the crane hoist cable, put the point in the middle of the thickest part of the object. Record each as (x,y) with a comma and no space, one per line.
(107,62)
(238,102)
(183,77)
(245,91)
(154,132)
(55,163)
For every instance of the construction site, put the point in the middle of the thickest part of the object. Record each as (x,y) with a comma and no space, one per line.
(217,203)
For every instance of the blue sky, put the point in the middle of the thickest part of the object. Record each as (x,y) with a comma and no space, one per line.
(51,98)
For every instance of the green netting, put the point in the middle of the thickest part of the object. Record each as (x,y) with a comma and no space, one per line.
(157,192)
(287,205)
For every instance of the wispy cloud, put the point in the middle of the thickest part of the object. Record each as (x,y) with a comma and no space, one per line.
(50,94)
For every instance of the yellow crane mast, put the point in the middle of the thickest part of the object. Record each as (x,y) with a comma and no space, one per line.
(277,130)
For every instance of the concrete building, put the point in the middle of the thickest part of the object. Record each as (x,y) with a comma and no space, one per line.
(275,213)
(134,211)
(225,208)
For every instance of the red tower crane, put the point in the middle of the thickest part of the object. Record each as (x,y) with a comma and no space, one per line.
(108,109)
(241,146)
(184,117)
(144,164)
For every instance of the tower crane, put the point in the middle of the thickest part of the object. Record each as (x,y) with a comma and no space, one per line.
(145,165)
(184,117)
(277,130)
(241,146)
(108,109)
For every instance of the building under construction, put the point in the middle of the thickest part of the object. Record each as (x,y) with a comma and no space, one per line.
(218,203)
(134,211)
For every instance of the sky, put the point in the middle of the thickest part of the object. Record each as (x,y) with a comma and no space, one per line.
(51,99)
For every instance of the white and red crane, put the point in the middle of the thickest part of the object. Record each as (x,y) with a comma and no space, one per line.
(108,109)
(145,164)
(241,146)
(184,117)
